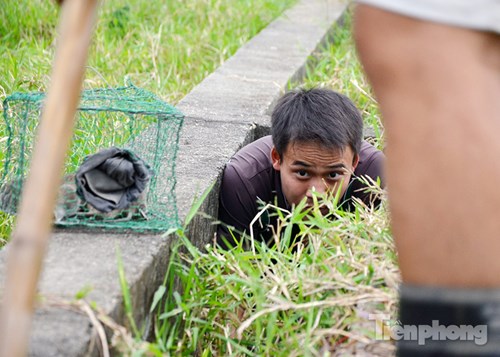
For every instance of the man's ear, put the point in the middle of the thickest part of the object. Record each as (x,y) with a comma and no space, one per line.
(355,162)
(276,159)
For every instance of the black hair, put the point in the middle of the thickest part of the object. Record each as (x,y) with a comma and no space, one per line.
(316,115)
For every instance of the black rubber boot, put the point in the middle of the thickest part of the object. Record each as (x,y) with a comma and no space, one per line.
(448,322)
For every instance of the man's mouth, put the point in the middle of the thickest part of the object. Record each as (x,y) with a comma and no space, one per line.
(322,208)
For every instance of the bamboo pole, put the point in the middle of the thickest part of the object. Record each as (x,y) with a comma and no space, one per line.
(34,222)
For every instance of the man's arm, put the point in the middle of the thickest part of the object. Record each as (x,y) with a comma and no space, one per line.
(371,165)
(247,177)
(237,207)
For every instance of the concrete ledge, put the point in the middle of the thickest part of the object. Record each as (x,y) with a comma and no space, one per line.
(226,111)
(78,261)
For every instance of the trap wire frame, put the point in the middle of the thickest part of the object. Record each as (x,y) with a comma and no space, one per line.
(127,117)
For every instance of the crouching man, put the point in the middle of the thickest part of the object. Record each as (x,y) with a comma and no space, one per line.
(316,145)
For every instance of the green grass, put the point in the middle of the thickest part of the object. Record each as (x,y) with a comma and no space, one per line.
(166,47)
(307,296)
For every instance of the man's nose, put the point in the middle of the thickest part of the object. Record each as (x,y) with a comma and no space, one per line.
(318,186)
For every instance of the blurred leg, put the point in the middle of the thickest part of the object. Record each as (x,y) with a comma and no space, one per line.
(439,91)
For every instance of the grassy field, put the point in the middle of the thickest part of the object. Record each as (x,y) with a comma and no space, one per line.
(313,300)
(166,47)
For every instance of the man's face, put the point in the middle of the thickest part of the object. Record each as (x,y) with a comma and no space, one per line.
(307,165)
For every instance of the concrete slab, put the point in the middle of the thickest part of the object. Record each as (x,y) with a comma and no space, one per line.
(78,261)
(204,149)
(230,98)
(79,342)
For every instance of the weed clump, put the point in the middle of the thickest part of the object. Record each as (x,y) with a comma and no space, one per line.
(306,295)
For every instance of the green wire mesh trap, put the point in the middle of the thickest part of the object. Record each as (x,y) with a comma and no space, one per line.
(129,118)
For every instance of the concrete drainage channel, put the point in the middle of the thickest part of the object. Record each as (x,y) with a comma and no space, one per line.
(229,109)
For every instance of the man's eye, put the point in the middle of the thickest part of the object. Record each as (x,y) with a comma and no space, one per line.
(334,175)
(302,173)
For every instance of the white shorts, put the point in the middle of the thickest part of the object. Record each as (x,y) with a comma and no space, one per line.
(475,14)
